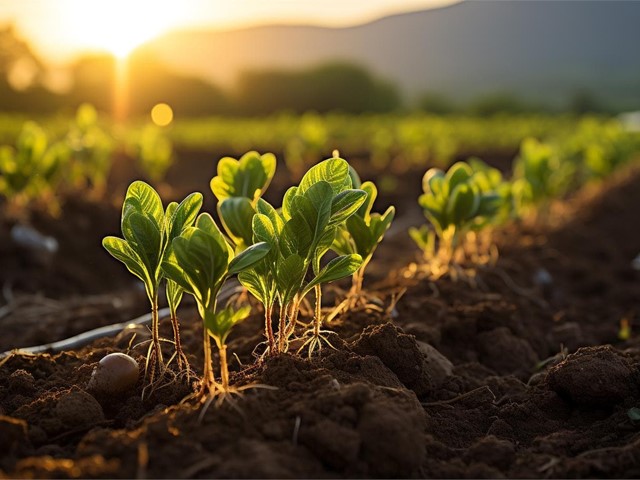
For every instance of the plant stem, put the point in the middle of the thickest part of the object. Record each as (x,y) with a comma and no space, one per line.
(155,333)
(224,367)
(176,339)
(317,319)
(282,327)
(268,328)
(208,380)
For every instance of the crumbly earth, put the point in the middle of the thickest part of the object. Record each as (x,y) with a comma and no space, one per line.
(523,376)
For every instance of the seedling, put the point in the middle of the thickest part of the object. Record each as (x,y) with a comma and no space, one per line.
(154,152)
(147,231)
(299,238)
(361,234)
(199,261)
(238,186)
(28,171)
(454,204)
(539,177)
(87,150)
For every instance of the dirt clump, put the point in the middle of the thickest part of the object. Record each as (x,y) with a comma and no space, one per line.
(594,376)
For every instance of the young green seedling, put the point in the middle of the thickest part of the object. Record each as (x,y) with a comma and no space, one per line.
(361,234)
(454,204)
(147,230)
(199,261)
(30,170)
(238,186)
(539,177)
(299,237)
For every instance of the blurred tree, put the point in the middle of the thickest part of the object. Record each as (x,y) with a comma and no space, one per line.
(495,103)
(335,86)
(94,80)
(436,103)
(151,83)
(583,101)
(19,65)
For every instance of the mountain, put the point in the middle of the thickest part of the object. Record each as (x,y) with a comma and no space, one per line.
(542,50)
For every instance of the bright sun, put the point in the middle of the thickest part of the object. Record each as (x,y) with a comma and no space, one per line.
(117,26)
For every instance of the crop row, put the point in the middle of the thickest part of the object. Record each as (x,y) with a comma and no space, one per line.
(279,254)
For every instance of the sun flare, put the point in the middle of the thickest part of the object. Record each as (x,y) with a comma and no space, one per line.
(117,26)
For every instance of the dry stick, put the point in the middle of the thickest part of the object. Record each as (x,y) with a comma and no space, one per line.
(459,397)
(87,337)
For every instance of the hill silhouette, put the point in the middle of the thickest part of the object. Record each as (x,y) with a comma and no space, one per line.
(542,51)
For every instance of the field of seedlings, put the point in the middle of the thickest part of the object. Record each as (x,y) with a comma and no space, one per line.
(320,296)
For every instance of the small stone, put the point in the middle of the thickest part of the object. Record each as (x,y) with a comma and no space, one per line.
(115,374)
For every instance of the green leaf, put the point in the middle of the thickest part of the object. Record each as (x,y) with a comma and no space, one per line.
(174,295)
(220,323)
(184,214)
(372,193)
(457,174)
(142,198)
(290,272)
(463,204)
(236,214)
(248,177)
(265,208)
(336,269)
(121,251)
(249,257)
(144,237)
(334,171)
(345,204)
(434,182)
(258,284)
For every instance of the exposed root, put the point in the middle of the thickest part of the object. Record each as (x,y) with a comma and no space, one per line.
(220,396)
(315,340)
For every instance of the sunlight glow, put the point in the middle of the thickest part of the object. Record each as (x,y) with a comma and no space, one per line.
(117,26)
(162,114)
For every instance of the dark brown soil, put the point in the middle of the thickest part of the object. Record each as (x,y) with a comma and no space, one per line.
(523,376)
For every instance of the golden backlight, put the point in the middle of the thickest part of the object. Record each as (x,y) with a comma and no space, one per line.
(117,26)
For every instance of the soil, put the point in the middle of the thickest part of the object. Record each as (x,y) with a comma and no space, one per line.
(523,376)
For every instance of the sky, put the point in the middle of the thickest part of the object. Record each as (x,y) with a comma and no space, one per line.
(62,29)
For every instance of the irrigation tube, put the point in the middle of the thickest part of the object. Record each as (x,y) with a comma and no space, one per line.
(107,331)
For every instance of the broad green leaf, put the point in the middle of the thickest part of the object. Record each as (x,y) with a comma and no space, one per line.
(184,214)
(121,250)
(258,285)
(434,182)
(345,204)
(236,214)
(142,198)
(247,177)
(290,273)
(334,171)
(457,174)
(336,269)
(220,322)
(289,195)
(463,204)
(248,257)
(206,223)
(296,237)
(265,208)
(144,237)
(263,230)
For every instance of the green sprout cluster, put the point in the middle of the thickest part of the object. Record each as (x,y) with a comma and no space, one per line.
(278,254)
